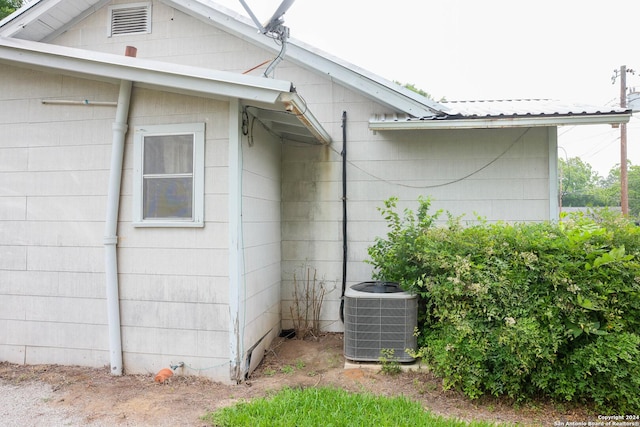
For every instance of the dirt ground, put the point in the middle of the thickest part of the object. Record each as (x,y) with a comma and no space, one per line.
(98,398)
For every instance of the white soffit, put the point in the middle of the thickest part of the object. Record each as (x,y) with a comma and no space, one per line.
(39,20)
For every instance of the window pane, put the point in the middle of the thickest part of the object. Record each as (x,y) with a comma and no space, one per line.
(164,154)
(168,198)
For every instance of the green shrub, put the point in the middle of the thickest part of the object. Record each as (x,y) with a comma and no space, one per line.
(522,310)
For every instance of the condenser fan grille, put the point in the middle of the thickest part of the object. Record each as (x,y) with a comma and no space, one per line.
(377,322)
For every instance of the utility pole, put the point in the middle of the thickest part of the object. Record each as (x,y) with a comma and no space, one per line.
(624,183)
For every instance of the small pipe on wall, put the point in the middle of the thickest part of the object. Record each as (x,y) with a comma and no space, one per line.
(86,102)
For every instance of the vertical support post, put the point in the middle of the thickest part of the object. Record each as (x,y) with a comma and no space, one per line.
(624,183)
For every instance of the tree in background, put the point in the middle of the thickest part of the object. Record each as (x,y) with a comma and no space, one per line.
(579,184)
(7,7)
(419,91)
(633,177)
(611,187)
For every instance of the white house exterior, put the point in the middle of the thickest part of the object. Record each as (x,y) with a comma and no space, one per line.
(154,209)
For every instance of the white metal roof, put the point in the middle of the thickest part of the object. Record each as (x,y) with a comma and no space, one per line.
(523,107)
(505,113)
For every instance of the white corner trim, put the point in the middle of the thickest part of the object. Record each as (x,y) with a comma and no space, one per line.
(236,297)
(554,213)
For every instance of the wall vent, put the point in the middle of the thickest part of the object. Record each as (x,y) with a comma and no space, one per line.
(132,18)
(379,316)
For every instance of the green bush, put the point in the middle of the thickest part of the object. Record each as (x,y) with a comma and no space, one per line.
(523,310)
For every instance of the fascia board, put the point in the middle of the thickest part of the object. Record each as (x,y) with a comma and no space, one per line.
(22,17)
(297,52)
(295,105)
(179,78)
(360,82)
(599,119)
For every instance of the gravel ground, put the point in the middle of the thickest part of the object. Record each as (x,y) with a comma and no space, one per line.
(54,395)
(23,405)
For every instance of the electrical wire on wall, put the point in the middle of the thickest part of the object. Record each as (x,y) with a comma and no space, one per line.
(444,184)
(249,121)
(252,119)
(372,175)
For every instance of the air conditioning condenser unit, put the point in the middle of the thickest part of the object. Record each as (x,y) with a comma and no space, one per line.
(379,317)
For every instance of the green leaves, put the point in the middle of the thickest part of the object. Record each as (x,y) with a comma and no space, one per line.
(7,7)
(514,309)
(588,328)
(614,255)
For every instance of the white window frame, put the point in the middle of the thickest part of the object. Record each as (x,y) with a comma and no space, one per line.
(140,132)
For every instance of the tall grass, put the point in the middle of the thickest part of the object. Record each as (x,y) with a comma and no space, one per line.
(329,407)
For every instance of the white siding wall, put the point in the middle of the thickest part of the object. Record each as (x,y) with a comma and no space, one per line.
(500,174)
(176,37)
(53,181)
(174,281)
(403,164)
(260,307)
(53,176)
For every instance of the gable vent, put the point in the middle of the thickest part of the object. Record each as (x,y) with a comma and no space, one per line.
(130,19)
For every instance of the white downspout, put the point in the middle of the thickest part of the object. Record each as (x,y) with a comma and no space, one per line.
(120,127)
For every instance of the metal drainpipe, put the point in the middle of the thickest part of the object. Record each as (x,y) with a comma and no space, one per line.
(120,127)
(344,212)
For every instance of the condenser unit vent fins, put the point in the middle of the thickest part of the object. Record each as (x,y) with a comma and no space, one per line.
(376,323)
(130,19)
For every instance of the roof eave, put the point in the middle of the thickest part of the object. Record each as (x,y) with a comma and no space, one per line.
(109,67)
(294,104)
(501,122)
(269,93)
(362,82)
(15,21)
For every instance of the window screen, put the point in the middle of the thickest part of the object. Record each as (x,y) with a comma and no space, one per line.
(169,175)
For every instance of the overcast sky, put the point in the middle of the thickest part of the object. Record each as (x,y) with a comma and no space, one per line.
(487,49)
